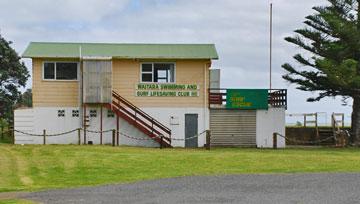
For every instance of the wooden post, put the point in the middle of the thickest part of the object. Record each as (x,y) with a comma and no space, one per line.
(84,123)
(79,136)
(208,135)
(304,120)
(101,125)
(113,137)
(12,127)
(2,131)
(44,137)
(275,140)
(161,141)
(117,130)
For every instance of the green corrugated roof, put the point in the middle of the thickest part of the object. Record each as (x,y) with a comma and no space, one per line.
(128,51)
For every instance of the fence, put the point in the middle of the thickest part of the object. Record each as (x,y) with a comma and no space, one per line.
(318,119)
(340,140)
(115,136)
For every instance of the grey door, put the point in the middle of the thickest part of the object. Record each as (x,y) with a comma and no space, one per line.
(191,130)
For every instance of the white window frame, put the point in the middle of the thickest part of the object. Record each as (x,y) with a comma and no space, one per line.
(152,72)
(43,71)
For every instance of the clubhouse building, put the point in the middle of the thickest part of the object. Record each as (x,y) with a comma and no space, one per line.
(148,93)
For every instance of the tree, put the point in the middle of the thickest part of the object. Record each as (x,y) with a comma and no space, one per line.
(330,64)
(25,99)
(13,75)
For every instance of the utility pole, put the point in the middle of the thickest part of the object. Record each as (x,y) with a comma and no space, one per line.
(271,31)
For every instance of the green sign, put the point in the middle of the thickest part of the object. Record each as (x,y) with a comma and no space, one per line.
(167,90)
(249,99)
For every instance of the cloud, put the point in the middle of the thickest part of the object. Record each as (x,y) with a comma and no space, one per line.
(45,11)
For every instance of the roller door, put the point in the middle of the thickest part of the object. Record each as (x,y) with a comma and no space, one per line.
(233,128)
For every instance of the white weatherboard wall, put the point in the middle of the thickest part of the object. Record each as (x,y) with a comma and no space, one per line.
(109,123)
(24,121)
(268,122)
(47,119)
(173,118)
(35,120)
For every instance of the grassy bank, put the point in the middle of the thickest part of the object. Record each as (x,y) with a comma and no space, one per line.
(29,168)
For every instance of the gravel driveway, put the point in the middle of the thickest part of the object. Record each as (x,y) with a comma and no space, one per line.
(284,188)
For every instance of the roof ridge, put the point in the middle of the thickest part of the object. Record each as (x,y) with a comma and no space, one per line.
(122,50)
(99,43)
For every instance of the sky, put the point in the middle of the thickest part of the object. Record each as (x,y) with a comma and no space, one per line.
(238,28)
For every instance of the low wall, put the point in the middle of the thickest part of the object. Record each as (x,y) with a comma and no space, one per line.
(306,134)
(300,133)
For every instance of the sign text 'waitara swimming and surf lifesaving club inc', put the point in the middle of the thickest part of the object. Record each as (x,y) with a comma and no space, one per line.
(167,90)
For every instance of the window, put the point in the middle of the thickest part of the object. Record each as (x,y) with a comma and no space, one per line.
(60,70)
(158,72)
(147,73)
(49,70)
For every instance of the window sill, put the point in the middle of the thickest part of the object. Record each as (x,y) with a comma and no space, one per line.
(54,80)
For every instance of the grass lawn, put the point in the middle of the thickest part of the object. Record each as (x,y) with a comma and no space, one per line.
(16,201)
(36,167)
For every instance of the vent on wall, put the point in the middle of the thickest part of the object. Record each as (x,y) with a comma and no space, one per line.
(93,113)
(61,113)
(110,114)
(75,113)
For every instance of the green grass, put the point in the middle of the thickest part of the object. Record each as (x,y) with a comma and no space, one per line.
(36,167)
(16,201)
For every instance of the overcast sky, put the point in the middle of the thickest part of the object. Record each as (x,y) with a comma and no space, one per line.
(239,28)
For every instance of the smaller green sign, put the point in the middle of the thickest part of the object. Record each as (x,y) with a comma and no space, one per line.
(248,99)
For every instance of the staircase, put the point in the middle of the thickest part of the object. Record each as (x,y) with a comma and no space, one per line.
(324,133)
(139,119)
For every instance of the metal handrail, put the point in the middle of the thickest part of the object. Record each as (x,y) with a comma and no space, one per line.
(137,110)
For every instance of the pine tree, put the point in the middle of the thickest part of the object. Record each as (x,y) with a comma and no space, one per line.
(330,64)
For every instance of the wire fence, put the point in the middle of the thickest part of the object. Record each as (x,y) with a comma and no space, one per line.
(44,134)
(47,135)
(305,142)
(189,138)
